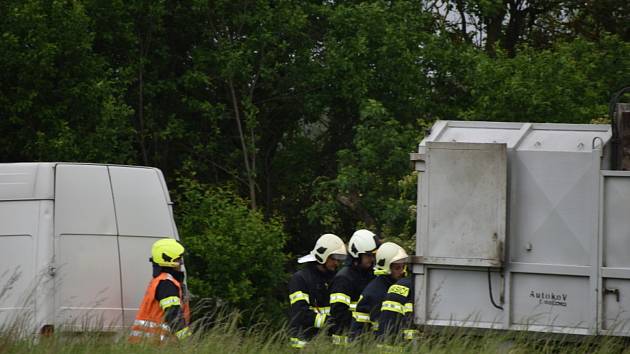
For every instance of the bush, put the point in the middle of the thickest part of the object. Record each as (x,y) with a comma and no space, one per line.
(233,256)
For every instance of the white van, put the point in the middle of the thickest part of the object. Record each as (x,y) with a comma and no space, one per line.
(75,243)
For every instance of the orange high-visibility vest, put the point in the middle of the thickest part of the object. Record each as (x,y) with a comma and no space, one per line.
(149,323)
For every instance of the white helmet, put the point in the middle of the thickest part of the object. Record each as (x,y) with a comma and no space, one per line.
(362,241)
(329,245)
(387,254)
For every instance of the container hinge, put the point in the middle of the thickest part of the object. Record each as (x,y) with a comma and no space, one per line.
(52,270)
(612,291)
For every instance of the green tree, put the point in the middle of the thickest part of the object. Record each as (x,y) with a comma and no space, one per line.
(247,64)
(375,184)
(364,50)
(233,255)
(570,83)
(58,100)
(147,45)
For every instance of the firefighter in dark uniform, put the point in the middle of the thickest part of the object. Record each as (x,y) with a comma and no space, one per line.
(390,266)
(347,285)
(396,318)
(308,289)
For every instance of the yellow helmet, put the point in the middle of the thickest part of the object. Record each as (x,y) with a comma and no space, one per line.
(166,251)
(387,254)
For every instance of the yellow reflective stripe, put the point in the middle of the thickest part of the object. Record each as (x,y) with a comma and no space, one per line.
(361,316)
(410,334)
(375,326)
(325,309)
(380,272)
(183,333)
(340,340)
(393,306)
(169,301)
(340,297)
(398,289)
(353,306)
(409,307)
(297,296)
(297,343)
(320,318)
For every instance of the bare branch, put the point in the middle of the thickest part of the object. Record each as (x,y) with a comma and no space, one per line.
(248,169)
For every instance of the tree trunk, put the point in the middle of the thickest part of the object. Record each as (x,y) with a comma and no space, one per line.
(515,27)
(143,148)
(251,180)
(462,14)
(494,24)
(353,202)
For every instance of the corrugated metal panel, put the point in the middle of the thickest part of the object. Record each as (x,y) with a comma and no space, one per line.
(566,271)
(539,137)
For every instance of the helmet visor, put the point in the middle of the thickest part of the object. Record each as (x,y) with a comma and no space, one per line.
(338,257)
(404,260)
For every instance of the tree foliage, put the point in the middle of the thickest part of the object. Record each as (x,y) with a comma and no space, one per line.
(233,256)
(58,99)
(568,83)
(306,109)
(374,183)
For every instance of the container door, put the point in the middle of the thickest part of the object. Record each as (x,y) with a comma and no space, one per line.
(143,214)
(465,204)
(87,284)
(615,260)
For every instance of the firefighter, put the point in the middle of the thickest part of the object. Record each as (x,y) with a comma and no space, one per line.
(308,289)
(390,266)
(164,311)
(349,282)
(396,318)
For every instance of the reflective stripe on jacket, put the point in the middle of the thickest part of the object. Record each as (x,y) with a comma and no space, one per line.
(366,317)
(345,291)
(149,323)
(309,301)
(396,318)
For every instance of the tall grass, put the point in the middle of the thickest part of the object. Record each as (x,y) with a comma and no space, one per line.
(223,335)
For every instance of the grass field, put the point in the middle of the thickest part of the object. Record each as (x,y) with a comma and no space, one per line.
(225,337)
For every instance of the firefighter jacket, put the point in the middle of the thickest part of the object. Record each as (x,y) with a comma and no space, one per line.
(309,299)
(150,322)
(366,316)
(345,290)
(396,318)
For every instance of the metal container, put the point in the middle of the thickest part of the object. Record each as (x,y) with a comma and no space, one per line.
(521,226)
